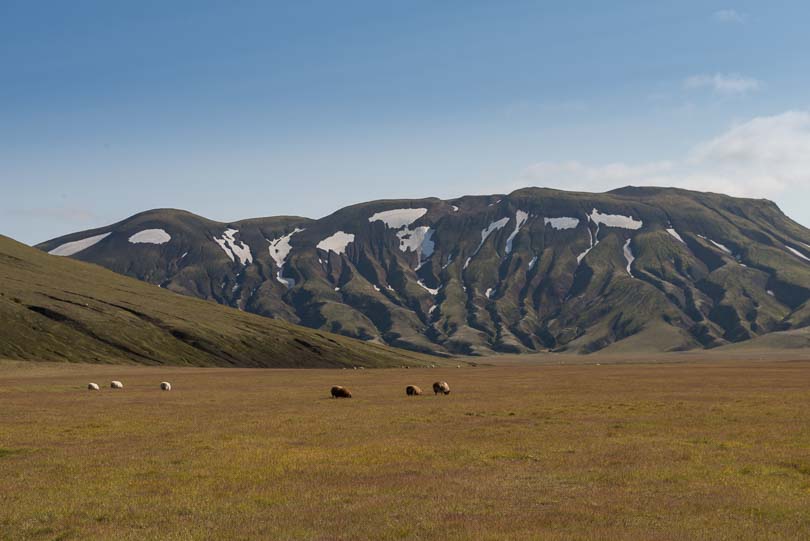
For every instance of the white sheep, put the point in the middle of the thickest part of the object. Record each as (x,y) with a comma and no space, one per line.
(116,385)
(165,385)
(92,387)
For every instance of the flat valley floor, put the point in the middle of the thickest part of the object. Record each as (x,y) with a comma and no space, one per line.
(687,450)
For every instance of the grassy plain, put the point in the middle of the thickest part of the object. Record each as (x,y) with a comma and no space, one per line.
(692,450)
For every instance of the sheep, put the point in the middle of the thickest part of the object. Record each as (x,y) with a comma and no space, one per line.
(116,385)
(441,387)
(166,386)
(413,390)
(341,392)
(93,387)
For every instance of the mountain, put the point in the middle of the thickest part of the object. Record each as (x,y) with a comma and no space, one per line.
(57,309)
(636,269)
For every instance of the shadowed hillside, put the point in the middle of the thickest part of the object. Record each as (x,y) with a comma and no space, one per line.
(58,309)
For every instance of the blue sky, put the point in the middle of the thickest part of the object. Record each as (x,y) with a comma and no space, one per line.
(244,109)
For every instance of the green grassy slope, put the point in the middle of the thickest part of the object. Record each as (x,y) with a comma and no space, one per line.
(59,309)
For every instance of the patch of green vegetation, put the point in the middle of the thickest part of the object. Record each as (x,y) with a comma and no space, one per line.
(5,452)
(58,309)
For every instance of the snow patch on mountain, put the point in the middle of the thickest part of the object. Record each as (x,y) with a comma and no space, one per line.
(615,220)
(280,247)
(562,223)
(581,256)
(72,248)
(520,219)
(675,235)
(489,293)
(430,290)
(485,233)
(150,236)
(419,240)
(494,226)
(628,255)
(336,243)
(594,240)
(722,247)
(797,253)
(234,249)
(279,250)
(398,218)
(533,262)
(609,220)
(225,248)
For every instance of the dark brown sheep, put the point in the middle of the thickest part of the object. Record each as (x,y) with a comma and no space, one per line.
(441,387)
(341,392)
(413,390)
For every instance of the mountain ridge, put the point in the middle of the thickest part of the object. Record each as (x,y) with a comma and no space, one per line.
(533,270)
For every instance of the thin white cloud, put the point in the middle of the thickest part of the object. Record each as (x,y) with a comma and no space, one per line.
(726,84)
(729,16)
(763,157)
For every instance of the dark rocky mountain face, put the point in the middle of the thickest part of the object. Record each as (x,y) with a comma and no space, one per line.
(634,269)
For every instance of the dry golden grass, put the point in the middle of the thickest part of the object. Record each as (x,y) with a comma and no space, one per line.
(678,451)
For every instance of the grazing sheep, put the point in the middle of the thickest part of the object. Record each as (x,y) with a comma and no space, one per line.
(116,385)
(165,385)
(413,390)
(93,387)
(441,387)
(341,392)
